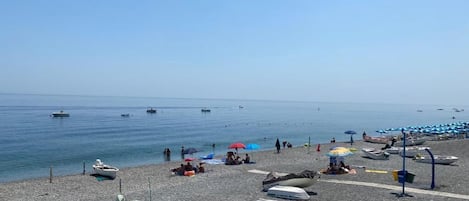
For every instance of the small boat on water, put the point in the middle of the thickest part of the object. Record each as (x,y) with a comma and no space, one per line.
(411,152)
(99,168)
(151,110)
(303,179)
(379,140)
(61,113)
(375,154)
(439,159)
(205,110)
(288,192)
(125,115)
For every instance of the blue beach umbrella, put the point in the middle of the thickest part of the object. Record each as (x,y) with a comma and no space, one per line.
(252,147)
(350,132)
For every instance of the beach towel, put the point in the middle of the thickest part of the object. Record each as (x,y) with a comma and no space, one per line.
(213,161)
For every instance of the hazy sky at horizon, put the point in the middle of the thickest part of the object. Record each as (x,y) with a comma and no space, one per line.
(354,51)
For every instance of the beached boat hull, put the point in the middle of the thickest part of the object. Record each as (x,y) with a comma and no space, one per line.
(379,140)
(104,170)
(375,154)
(411,152)
(439,159)
(302,180)
(288,192)
(393,150)
(410,142)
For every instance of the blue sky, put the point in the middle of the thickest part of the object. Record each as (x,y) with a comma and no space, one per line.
(341,51)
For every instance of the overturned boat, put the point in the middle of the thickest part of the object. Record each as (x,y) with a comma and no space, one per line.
(439,159)
(375,154)
(302,180)
(288,192)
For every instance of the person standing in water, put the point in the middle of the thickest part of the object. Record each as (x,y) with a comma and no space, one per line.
(277,145)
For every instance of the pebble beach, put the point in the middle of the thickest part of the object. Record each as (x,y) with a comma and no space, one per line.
(373,179)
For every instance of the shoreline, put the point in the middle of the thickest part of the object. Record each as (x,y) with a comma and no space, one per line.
(221,182)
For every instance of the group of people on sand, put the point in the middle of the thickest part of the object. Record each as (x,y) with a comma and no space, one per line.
(234,159)
(188,169)
(335,168)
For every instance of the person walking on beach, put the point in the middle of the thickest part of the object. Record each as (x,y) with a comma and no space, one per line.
(284,143)
(277,144)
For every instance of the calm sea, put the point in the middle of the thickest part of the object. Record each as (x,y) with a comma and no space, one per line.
(31,141)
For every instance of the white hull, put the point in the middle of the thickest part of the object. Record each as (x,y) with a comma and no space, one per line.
(439,159)
(410,142)
(375,154)
(394,150)
(296,182)
(104,170)
(411,152)
(288,192)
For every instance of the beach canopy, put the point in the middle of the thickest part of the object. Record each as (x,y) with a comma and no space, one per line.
(252,146)
(190,151)
(237,145)
(339,152)
(350,132)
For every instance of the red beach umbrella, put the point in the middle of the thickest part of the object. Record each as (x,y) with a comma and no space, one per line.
(237,145)
(189,159)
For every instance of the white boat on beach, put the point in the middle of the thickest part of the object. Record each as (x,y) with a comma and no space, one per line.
(375,154)
(410,142)
(439,159)
(411,152)
(61,113)
(99,168)
(303,179)
(393,150)
(288,192)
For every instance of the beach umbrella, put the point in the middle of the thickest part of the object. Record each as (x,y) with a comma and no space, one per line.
(237,145)
(189,159)
(339,152)
(252,147)
(350,132)
(190,150)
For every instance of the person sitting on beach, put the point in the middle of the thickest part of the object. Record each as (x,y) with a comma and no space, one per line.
(188,167)
(201,168)
(332,169)
(386,146)
(333,140)
(247,159)
(178,170)
(289,145)
(344,167)
(237,161)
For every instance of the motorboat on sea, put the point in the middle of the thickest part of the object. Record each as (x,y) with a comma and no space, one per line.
(411,152)
(61,113)
(288,192)
(125,115)
(205,110)
(99,168)
(375,154)
(439,159)
(303,179)
(410,142)
(151,110)
(379,140)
